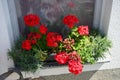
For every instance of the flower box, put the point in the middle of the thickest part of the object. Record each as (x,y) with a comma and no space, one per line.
(81,46)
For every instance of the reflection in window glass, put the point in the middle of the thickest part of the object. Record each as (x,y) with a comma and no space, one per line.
(51,12)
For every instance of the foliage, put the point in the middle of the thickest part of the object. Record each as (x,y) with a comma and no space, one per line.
(24,60)
(81,46)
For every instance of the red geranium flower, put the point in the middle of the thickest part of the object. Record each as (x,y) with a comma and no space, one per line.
(31,20)
(59,38)
(26,44)
(75,67)
(61,57)
(43,29)
(33,41)
(83,30)
(51,43)
(53,39)
(70,20)
(33,35)
(37,36)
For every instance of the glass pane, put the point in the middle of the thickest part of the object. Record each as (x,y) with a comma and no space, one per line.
(51,11)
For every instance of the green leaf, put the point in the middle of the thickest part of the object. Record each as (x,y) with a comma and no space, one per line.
(74,29)
(41,55)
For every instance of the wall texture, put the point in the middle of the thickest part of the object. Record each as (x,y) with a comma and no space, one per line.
(114,33)
(8,32)
(4,39)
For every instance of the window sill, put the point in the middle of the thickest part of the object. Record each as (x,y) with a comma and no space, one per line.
(57,70)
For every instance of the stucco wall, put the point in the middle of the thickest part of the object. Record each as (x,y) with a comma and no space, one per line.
(4,40)
(8,32)
(114,35)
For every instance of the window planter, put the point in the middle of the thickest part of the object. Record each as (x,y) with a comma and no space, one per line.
(81,45)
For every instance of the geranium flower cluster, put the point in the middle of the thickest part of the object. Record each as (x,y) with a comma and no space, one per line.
(70,20)
(73,60)
(32,38)
(31,20)
(53,40)
(83,30)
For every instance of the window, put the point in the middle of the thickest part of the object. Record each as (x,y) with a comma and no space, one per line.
(51,11)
